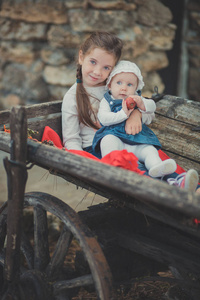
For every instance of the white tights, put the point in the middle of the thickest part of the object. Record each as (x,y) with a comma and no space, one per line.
(147,154)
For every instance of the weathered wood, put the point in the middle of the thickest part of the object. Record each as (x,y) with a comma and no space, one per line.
(69,284)
(33,111)
(160,252)
(41,244)
(174,123)
(59,254)
(53,121)
(172,218)
(4,141)
(17,176)
(177,137)
(169,217)
(105,218)
(138,233)
(115,179)
(179,109)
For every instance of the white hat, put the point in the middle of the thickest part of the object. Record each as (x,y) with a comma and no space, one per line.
(127,66)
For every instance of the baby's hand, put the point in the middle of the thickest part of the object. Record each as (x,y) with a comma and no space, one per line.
(139,101)
(130,103)
(125,109)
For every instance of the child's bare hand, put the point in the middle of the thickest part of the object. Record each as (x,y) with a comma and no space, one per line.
(139,101)
(134,123)
(125,109)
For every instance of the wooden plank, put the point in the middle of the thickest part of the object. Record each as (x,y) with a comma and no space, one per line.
(119,199)
(177,137)
(160,252)
(17,176)
(4,141)
(174,123)
(53,121)
(116,179)
(38,125)
(179,109)
(35,110)
(143,235)
(43,109)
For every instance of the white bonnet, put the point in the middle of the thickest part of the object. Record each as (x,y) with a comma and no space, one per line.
(127,66)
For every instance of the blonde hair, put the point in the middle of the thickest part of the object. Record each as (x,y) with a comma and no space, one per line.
(111,44)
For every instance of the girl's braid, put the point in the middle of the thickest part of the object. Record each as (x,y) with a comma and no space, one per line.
(79,72)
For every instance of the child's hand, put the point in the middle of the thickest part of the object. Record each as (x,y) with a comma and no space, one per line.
(125,109)
(130,103)
(134,124)
(139,101)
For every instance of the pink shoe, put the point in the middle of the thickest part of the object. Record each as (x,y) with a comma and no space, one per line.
(188,180)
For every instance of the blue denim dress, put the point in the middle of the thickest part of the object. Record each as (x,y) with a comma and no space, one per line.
(146,136)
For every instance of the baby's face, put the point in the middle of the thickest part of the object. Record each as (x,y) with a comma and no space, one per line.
(123,85)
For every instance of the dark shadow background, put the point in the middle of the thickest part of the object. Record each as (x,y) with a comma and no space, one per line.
(169,75)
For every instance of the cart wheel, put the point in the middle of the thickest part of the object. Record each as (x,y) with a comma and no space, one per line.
(46,271)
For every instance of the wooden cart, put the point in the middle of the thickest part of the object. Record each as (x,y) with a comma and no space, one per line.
(143,215)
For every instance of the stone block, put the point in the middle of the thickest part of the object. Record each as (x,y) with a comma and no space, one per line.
(12,51)
(63,76)
(108,20)
(63,37)
(55,57)
(152,61)
(153,13)
(28,11)
(22,31)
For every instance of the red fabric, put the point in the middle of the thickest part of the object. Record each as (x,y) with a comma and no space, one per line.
(123,159)
(116,158)
(50,135)
(164,156)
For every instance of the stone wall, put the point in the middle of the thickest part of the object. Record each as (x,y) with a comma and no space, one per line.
(192,39)
(40,41)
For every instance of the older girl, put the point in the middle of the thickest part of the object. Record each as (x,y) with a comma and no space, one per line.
(97,57)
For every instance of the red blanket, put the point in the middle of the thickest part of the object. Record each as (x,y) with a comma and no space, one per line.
(121,158)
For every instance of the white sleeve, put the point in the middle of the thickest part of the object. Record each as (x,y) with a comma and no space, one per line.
(70,123)
(147,118)
(107,117)
(148,115)
(150,105)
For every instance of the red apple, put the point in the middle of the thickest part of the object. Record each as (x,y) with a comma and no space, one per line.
(130,103)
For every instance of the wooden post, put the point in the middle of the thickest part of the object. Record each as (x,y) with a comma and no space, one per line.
(17,176)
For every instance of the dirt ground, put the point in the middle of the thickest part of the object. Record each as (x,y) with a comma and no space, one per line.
(149,290)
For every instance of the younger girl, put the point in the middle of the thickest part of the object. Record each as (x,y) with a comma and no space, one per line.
(124,81)
(97,57)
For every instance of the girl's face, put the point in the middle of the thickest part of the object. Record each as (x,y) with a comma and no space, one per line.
(123,85)
(96,66)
